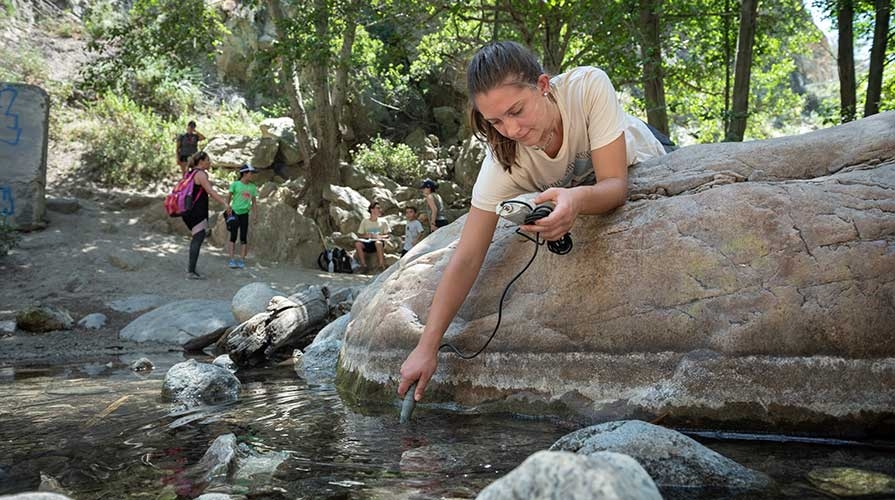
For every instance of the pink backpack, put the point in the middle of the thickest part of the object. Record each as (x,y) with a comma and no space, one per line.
(181,200)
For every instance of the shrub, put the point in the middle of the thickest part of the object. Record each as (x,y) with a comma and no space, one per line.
(396,161)
(128,144)
(8,238)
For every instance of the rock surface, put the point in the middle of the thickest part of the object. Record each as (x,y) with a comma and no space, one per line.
(43,318)
(671,458)
(252,299)
(549,475)
(190,384)
(179,322)
(23,154)
(746,279)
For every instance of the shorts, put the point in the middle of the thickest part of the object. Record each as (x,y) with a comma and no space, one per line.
(441,222)
(369,246)
(184,158)
(242,228)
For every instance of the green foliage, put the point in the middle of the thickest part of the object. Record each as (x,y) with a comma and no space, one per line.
(153,54)
(396,161)
(25,64)
(128,144)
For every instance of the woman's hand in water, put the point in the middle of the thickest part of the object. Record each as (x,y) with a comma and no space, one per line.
(418,367)
(560,221)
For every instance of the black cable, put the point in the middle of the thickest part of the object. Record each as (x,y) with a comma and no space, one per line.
(500,305)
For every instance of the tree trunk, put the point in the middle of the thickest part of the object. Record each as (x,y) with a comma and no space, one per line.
(743,71)
(877,57)
(651,52)
(292,88)
(846,60)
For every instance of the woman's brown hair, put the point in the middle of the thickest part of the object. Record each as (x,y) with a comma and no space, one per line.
(496,64)
(195,159)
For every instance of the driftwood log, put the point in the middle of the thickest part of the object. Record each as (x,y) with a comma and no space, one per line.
(289,323)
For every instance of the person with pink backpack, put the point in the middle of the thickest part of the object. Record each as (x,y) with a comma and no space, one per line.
(196,216)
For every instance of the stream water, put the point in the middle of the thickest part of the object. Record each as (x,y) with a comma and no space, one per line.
(102,432)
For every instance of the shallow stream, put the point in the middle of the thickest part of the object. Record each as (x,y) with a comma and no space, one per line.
(102,432)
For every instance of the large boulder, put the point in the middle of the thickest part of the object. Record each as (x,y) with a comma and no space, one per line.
(23,154)
(347,207)
(280,232)
(283,131)
(750,284)
(552,475)
(252,299)
(469,162)
(672,459)
(179,322)
(232,151)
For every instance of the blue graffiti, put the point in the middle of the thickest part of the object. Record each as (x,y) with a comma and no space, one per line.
(10,132)
(7,202)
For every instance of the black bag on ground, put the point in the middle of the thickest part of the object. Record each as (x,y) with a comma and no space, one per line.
(338,258)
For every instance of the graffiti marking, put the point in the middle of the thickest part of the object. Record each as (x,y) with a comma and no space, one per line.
(10,132)
(7,203)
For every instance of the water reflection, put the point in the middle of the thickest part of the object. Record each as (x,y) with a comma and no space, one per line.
(103,432)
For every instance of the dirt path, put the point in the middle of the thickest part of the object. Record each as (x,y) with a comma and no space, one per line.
(84,260)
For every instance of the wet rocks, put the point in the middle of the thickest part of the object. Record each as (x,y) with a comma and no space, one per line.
(190,384)
(671,458)
(554,475)
(321,357)
(42,318)
(850,482)
(142,365)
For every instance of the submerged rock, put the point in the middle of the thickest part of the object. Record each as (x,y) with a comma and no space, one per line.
(551,475)
(849,482)
(671,458)
(190,383)
(739,282)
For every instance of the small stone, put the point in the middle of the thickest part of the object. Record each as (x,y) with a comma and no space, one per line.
(93,321)
(142,365)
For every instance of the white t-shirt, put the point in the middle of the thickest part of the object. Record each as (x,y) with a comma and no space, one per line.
(591,118)
(413,229)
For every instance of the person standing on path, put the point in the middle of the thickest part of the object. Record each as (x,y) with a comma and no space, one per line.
(241,199)
(196,218)
(187,146)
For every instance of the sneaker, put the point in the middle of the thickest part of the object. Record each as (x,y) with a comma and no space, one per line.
(194,276)
(241,264)
(232,264)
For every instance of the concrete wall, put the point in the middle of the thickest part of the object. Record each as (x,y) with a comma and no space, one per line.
(24,119)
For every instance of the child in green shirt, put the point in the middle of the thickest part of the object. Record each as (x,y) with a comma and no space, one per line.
(241,199)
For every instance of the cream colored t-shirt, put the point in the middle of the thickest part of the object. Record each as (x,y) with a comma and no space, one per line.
(592,118)
(374,228)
